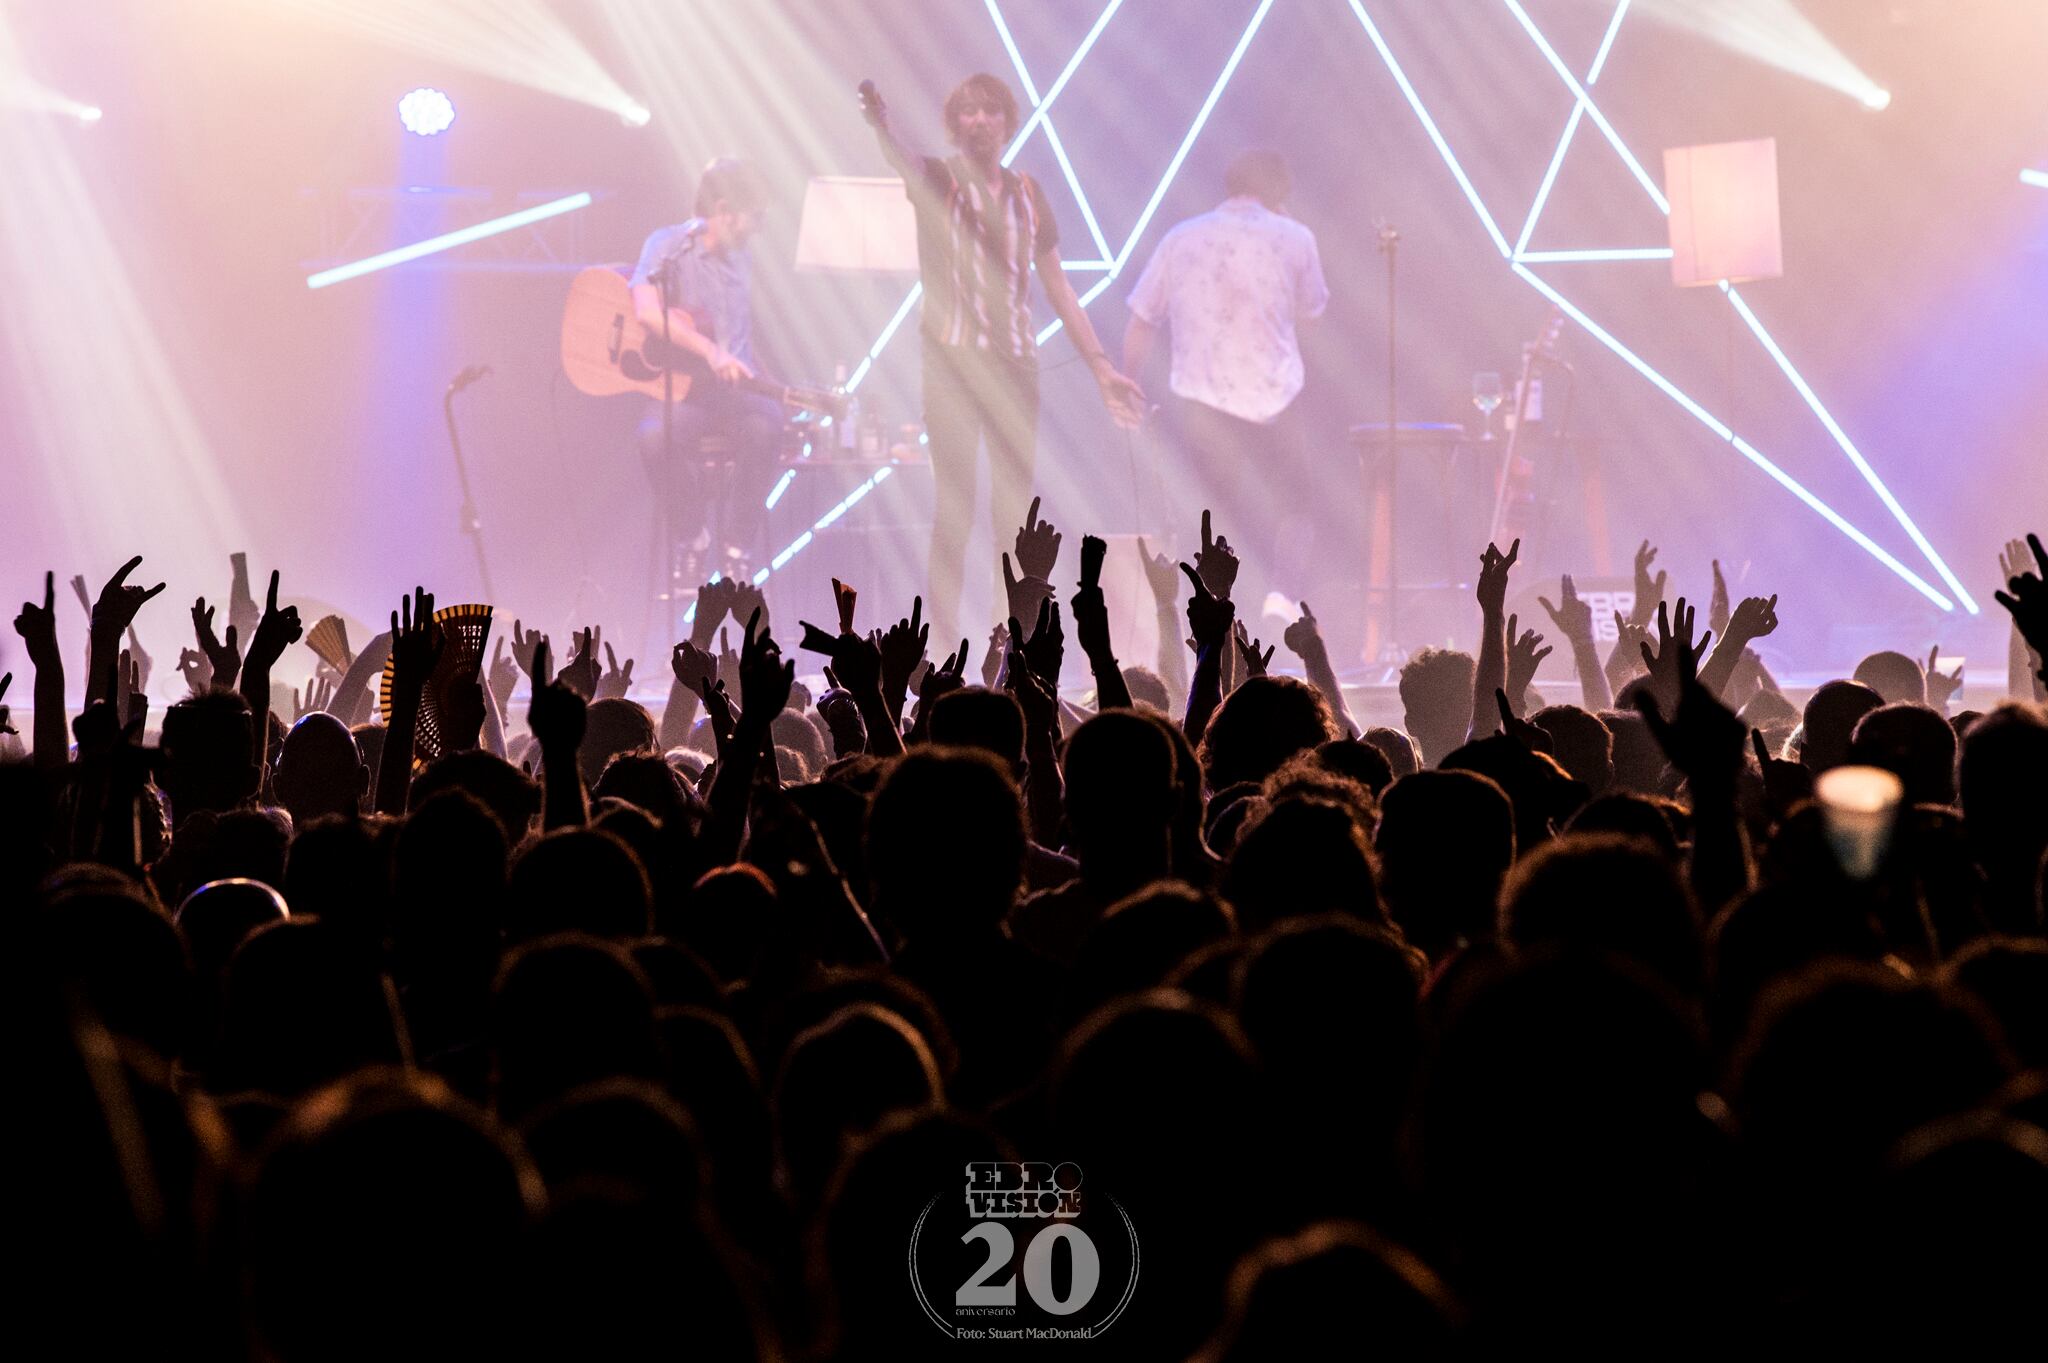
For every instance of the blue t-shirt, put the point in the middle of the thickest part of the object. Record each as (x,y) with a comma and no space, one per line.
(713,286)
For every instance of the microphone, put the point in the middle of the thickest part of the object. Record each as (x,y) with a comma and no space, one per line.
(467,377)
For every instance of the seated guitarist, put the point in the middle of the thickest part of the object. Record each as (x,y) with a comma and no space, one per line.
(708,270)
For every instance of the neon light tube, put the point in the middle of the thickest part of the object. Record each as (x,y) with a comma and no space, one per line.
(448,241)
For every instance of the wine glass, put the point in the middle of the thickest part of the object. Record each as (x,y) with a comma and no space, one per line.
(1486,396)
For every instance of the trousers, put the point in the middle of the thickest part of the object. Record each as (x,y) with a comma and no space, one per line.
(972,396)
(702,498)
(1275,508)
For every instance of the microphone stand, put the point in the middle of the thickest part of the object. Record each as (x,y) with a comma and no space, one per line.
(1389,246)
(664,517)
(472,524)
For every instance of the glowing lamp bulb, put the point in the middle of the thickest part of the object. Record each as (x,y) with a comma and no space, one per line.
(426,111)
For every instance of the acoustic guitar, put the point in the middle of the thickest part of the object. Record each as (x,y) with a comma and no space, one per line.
(607,350)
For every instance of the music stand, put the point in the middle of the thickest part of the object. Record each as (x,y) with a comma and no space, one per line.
(856,224)
(1724,221)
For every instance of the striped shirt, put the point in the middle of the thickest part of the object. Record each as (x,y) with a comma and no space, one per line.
(975,251)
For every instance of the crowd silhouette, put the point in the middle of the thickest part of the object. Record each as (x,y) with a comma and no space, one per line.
(1603,1027)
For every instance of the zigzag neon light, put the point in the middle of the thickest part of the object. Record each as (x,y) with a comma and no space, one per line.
(1747,450)
(1571,128)
(1518,259)
(1180,155)
(448,241)
(1052,136)
(1566,257)
(1771,347)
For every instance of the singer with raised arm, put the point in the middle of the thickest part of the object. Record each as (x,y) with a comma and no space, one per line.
(704,267)
(981,229)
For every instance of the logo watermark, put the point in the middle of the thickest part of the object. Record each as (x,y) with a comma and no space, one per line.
(1077,1270)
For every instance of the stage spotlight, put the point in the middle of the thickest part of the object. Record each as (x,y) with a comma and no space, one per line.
(90,114)
(1776,33)
(426,111)
(522,41)
(2037,178)
(636,117)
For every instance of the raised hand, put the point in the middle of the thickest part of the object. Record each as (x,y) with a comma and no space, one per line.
(557,716)
(765,679)
(693,667)
(463,710)
(1525,654)
(1785,783)
(525,645)
(1304,638)
(131,702)
(1530,736)
(580,675)
(857,663)
(318,696)
(1941,687)
(275,630)
(728,661)
(1755,618)
(1046,649)
(223,660)
(714,602)
(6,680)
(841,713)
(1209,615)
(1675,665)
(1091,624)
(1161,575)
(37,626)
(1035,696)
(746,599)
(1024,595)
(417,644)
(949,675)
(118,602)
(1629,637)
(2026,597)
(616,681)
(1037,545)
(1494,567)
(718,714)
(143,662)
(504,673)
(196,670)
(1216,561)
(1572,615)
(903,648)
(1649,590)
(1703,738)
(1717,604)
(992,661)
(1248,648)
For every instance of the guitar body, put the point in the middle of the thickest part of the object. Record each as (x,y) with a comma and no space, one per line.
(605,348)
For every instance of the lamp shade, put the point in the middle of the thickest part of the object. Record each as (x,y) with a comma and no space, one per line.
(1724,212)
(857,224)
